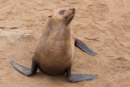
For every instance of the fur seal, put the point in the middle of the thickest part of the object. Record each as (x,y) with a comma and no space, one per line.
(54,51)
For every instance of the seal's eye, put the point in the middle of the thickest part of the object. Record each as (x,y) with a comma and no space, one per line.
(62,12)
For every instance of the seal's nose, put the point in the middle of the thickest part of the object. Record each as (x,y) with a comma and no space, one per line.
(74,9)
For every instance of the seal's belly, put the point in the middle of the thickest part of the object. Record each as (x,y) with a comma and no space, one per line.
(54,59)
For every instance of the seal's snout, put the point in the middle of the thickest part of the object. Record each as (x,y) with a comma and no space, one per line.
(73,11)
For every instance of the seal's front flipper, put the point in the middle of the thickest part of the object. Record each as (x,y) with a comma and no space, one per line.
(79,77)
(83,47)
(25,70)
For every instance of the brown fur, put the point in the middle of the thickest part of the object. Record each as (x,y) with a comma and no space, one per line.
(55,48)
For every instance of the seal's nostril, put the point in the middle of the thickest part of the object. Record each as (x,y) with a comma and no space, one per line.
(74,9)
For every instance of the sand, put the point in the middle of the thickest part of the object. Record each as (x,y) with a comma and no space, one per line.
(103,25)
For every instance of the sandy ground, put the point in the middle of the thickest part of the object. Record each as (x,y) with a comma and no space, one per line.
(103,25)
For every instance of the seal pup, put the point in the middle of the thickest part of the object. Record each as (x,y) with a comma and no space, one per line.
(54,51)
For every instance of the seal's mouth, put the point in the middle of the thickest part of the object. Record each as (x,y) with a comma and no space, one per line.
(73,12)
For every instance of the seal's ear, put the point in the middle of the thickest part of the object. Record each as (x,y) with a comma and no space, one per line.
(49,16)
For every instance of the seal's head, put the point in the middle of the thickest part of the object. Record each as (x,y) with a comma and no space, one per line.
(63,15)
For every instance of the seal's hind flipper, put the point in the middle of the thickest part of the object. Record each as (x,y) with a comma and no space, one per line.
(79,77)
(25,70)
(83,47)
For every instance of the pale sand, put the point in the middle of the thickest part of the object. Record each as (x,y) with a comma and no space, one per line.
(103,25)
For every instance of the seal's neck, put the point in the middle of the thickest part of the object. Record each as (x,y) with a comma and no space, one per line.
(54,25)
(57,29)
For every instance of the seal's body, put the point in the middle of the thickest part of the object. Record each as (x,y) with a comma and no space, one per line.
(55,48)
(54,51)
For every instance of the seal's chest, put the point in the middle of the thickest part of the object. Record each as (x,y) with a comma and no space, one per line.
(56,44)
